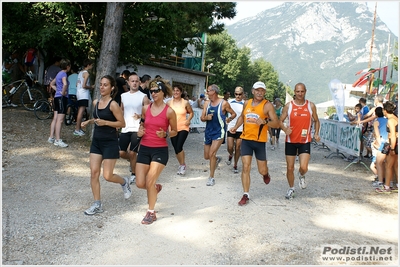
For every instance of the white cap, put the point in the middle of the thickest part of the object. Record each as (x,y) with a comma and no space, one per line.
(259,85)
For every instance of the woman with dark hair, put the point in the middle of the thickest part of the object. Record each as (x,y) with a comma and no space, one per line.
(60,85)
(144,85)
(107,117)
(152,157)
(391,170)
(181,108)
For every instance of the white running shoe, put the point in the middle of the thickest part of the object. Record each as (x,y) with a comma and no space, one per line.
(51,140)
(290,193)
(79,133)
(181,170)
(94,209)
(302,182)
(132,179)
(210,182)
(60,143)
(127,189)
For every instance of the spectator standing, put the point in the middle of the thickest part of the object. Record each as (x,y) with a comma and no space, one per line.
(104,150)
(181,108)
(276,132)
(233,140)
(392,156)
(132,103)
(31,56)
(83,87)
(144,86)
(153,153)
(122,85)
(381,137)
(301,114)
(72,100)
(60,85)
(214,114)
(257,114)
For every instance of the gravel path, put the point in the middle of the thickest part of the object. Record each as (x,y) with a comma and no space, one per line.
(46,189)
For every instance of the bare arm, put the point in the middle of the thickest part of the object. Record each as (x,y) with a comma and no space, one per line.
(227,107)
(85,79)
(283,117)
(189,110)
(204,116)
(316,122)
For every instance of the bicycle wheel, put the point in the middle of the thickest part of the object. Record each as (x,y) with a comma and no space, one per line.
(70,116)
(29,101)
(43,109)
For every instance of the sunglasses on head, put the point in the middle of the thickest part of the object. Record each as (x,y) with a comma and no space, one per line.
(156,91)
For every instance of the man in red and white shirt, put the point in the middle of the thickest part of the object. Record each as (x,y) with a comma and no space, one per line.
(301,114)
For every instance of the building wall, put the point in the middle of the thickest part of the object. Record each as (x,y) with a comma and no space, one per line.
(196,81)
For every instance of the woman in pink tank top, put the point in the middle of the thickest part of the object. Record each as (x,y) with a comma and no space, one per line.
(152,157)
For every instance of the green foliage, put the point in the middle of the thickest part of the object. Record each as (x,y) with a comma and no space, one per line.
(75,30)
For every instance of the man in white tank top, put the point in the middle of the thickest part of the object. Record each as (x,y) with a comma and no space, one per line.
(83,88)
(131,105)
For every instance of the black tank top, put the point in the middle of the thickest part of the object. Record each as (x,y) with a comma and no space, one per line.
(104,132)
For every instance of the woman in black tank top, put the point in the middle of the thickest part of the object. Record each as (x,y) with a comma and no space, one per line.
(107,116)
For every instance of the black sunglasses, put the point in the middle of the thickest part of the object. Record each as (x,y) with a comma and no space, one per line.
(156,91)
(238,94)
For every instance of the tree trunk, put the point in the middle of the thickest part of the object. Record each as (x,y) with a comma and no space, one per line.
(108,59)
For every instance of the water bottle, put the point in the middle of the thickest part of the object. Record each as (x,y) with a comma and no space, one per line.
(12,91)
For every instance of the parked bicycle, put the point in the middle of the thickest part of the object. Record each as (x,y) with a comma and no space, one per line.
(29,94)
(43,109)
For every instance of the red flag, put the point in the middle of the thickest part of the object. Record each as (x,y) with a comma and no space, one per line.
(362,71)
(385,69)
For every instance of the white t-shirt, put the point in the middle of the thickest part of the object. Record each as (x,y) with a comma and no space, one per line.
(82,93)
(133,103)
(237,106)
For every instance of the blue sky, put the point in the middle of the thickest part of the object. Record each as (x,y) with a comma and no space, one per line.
(388,12)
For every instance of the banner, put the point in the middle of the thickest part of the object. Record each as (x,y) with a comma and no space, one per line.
(196,122)
(341,136)
(337,92)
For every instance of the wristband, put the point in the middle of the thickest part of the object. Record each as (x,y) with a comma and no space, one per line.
(266,121)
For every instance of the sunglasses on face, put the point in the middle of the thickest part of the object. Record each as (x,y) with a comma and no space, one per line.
(156,91)
(238,94)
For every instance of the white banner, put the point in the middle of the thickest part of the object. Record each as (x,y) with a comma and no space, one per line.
(337,92)
(196,122)
(341,135)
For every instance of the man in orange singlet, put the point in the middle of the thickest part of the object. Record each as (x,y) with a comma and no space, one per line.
(258,113)
(301,113)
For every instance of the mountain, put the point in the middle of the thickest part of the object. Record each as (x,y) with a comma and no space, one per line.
(315,42)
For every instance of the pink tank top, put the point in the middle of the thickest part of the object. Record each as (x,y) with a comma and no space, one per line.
(152,124)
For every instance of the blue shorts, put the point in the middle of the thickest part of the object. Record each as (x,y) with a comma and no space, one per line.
(258,148)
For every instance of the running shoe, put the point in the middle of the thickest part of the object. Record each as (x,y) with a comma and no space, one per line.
(149,218)
(290,193)
(244,200)
(181,170)
(210,182)
(272,147)
(383,190)
(60,143)
(127,189)
(79,133)
(267,178)
(394,189)
(229,161)
(302,182)
(132,178)
(235,170)
(158,188)
(51,140)
(95,208)
(377,184)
